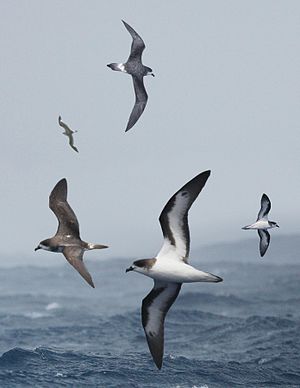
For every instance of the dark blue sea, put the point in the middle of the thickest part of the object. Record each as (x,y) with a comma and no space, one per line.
(56,331)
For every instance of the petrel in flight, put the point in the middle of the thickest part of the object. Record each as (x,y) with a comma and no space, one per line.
(262,224)
(67,238)
(138,71)
(170,268)
(68,132)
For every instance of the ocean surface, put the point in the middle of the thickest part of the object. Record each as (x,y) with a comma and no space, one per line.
(56,331)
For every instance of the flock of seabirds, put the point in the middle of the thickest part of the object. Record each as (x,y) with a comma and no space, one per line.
(170,268)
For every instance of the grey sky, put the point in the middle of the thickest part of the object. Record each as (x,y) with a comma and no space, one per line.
(225,97)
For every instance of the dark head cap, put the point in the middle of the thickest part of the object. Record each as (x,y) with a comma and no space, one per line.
(43,244)
(145,264)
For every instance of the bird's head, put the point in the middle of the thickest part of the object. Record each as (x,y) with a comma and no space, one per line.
(43,245)
(142,266)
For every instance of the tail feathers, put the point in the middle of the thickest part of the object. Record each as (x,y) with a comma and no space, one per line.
(97,246)
(214,278)
(209,277)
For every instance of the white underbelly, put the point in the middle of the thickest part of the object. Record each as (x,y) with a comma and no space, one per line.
(260,225)
(178,272)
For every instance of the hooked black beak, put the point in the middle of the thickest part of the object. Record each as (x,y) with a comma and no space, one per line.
(277,226)
(129,269)
(153,75)
(35,249)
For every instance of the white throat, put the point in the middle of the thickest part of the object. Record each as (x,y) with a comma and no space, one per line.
(45,247)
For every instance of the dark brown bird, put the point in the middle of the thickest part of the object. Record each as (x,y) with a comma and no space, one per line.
(67,238)
(138,71)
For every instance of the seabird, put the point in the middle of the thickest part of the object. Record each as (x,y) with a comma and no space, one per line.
(67,238)
(170,268)
(138,71)
(262,224)
(68,132)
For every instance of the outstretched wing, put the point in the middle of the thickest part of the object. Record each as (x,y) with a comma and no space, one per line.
(71,142)
(265,207)
(67,221)
(141,98)
(154,309)
(174,218)
(137,46)
(64,126)
(264,242)
(74,255)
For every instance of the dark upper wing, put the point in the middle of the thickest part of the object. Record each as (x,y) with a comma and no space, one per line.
(65,126)
(154,309)
(265,207)
(74,256)
(67,221)
(71,142)
(137,46)
(174,218)
(141,98)
(264,242)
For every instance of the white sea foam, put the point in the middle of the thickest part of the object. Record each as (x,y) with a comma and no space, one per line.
(52,306)
(35,315)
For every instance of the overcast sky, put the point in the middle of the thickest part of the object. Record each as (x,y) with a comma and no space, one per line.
(225,97)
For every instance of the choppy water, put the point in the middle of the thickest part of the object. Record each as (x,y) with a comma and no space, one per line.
(56,331)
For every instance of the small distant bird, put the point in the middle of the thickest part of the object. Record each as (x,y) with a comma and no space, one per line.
(262,224)
(138,71)
(68,132)
(170,268)
(67,238)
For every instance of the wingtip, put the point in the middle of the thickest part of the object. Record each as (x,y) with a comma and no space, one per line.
(205,174)
(157,355)
(159,366)
(125,24)
(60,190)
(158,362)
(90,281)
(63,180)
(202,176)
